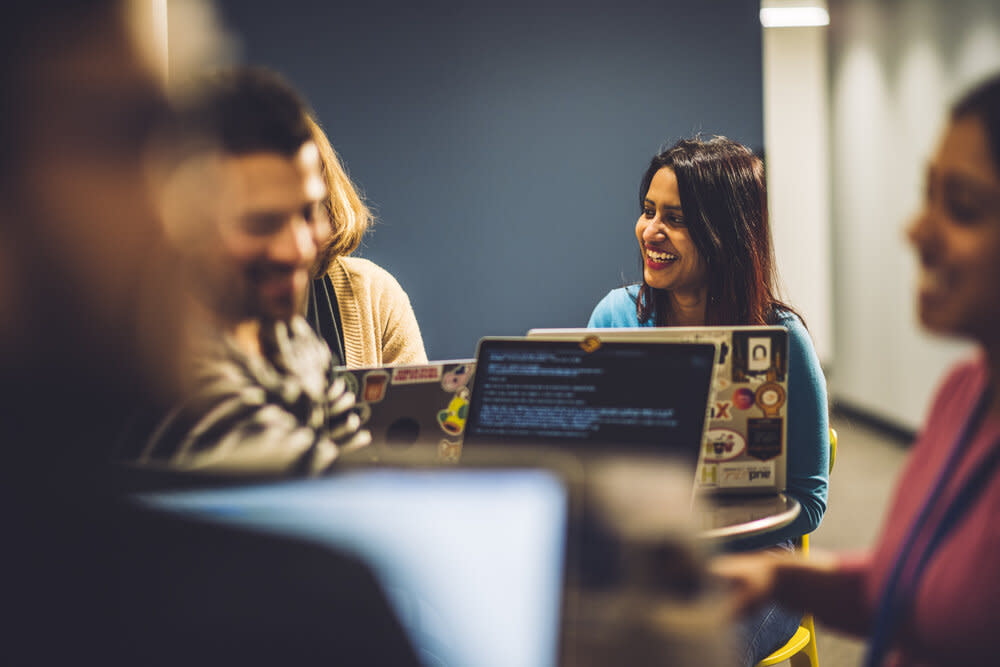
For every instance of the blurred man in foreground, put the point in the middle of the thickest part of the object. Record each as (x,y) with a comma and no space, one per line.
(89,320)
(266,398)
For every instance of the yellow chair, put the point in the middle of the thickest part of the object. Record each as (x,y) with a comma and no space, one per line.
(800,650)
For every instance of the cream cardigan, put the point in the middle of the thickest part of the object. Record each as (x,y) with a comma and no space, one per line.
(379,325)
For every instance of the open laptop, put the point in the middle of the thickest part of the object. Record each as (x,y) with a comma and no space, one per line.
(472,559)
(594,398)
(414,413)
(745,444)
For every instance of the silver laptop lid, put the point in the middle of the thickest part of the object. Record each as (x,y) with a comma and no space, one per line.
(415,413)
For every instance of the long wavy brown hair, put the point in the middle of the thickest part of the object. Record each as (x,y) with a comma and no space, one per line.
(349,216)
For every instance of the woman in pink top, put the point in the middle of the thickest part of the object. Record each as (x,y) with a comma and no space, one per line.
(927,593)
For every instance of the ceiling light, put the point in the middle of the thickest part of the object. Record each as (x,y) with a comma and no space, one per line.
(776,14)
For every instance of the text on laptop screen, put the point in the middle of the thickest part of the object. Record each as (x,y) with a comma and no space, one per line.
(639,396)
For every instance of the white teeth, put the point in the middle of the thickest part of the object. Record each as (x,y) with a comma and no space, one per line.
(660,256)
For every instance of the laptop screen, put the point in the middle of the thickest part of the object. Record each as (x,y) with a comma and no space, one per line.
(648,397)
(472,560)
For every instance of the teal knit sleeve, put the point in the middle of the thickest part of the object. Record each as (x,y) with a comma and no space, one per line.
(616,310)
(808,437)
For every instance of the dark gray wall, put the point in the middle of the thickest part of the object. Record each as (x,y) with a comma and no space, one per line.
(502,145)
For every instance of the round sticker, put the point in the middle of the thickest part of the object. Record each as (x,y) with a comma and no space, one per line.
(770,397)
(350,382)
(743,398)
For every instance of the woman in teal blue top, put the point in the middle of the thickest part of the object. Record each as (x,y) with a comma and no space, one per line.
(705,245)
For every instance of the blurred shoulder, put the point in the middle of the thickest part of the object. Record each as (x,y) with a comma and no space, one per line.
(965,380)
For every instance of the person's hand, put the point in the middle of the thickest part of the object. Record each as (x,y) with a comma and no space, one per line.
(748,579)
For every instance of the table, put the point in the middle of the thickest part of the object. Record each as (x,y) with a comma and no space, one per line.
(738,516)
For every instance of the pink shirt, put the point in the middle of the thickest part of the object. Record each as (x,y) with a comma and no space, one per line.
(956,615)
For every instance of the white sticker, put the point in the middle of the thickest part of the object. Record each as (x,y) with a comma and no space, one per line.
(758,353)
(746,474)
(722,444)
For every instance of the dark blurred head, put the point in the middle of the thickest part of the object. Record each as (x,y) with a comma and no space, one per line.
(723,200)
(957,233)
(87,309)
(983,104)
(255,257)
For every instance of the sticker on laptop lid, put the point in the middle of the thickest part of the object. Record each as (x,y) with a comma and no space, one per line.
(708,474)
(416,374)
(590,344)
(457,377)
(769,398)
(746,475)
(722,444)
(373,385)
(743,398)
(452,418)
(449,451)
(721,411)
(758,353)
(764,438)
(350,382)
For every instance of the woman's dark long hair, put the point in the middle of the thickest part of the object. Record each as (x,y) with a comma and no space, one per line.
(724,201)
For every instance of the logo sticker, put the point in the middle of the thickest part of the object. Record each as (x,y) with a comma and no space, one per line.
(743,398)
(452,419)
(764,438)
(449,452)
(709,474)
(590,344)
(721,411)
(373,386)
(457,377)
(721,444)
(350,382)
(770,397)
(746,474)
(406,375)
(758,353)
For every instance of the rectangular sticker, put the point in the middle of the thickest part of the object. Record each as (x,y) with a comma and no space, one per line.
(758,353)
(414,375)
(746,475)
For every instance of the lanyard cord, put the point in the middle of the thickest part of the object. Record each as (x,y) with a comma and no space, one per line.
(899,591)
(326,322)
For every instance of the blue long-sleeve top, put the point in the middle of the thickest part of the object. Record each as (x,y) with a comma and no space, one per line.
(808,429)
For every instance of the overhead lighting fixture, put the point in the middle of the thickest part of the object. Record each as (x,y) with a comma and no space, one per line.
(793,14)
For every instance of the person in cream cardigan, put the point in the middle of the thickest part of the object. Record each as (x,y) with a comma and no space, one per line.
(357,306)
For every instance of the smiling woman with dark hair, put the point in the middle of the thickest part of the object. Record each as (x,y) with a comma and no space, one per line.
(721,186)
(705,244)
